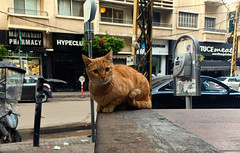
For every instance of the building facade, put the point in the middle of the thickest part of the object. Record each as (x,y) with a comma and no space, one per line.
(52,31)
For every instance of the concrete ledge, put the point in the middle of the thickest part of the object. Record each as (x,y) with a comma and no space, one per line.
(145,131)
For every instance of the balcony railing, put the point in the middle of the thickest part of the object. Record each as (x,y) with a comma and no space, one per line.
(28,12)
(116,20)
(124,21)
(215,30)
(157,24)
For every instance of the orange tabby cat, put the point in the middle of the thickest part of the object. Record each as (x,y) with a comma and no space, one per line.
(116,85)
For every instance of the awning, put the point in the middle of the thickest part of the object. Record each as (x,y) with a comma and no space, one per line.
(120,56)
(215,65)
(28,49)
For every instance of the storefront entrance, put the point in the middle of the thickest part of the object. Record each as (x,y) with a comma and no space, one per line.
(67,60)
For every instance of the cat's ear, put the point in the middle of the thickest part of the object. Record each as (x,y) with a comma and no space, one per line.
(109,55)
(86,60)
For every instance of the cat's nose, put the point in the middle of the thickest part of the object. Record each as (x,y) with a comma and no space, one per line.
(103,77)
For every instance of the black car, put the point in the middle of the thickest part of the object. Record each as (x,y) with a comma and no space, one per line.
(28,90)
(214,94)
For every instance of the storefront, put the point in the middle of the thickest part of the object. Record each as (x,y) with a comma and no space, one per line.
(66,59)
(24,45)
(159,56)
(217,59)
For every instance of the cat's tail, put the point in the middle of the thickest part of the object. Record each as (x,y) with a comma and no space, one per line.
(143,102)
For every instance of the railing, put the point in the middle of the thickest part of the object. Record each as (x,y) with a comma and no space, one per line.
(28,12)
(124,21)
(157,24)
(215,30)
(116,20)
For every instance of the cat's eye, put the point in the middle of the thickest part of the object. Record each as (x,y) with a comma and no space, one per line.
(95,71)
(107,69)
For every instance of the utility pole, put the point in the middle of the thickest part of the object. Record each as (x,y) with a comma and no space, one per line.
(234,48)
(142,18)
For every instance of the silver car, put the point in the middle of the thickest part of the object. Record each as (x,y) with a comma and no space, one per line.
(233,82)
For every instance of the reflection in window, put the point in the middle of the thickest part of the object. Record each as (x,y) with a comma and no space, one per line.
(211,86)
(112,15)
(167,87)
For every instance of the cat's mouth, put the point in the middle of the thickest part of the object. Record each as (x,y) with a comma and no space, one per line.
(104,81)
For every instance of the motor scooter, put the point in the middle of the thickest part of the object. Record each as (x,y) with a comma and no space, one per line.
(11,80)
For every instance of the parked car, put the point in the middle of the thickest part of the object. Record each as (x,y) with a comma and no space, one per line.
(56,84)
(28,90)
(233,82)
(214,94)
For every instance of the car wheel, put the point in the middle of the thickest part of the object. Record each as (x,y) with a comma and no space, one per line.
(45,97)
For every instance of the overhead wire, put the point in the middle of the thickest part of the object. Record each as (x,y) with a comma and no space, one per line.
(226,6)
(55,27)
(50,26)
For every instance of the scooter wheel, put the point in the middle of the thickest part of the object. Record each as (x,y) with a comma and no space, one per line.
(16,136)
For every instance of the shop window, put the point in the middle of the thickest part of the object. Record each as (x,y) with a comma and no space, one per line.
(30,61)
(112,15)
(70,8)
(187,20)
(29,7)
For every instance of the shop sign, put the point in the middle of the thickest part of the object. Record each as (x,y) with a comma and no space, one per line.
(216,49)
(160,47)
(28,38)
(65,42)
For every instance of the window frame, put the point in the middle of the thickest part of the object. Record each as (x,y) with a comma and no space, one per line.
(112,19)
(71,10)
(214,22)
(186,23)
(25,10)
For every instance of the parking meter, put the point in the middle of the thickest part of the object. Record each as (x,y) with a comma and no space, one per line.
(183,66)
(186,69)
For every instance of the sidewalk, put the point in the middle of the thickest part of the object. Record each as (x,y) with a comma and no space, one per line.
(71,96)
(66,145)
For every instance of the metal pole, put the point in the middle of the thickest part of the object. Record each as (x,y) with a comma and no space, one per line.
(234,48)
(90,39)
(38,111)
(188,102)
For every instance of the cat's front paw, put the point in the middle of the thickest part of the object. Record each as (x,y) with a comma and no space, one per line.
(134,93)
(99,108)
(107,110)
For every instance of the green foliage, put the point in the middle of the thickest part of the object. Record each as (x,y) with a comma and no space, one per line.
(3,52)
(101,46)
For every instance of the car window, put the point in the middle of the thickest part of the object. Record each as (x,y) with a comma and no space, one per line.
(211,86)
(167,87)
(221,79)
(232,80)
(29,80)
